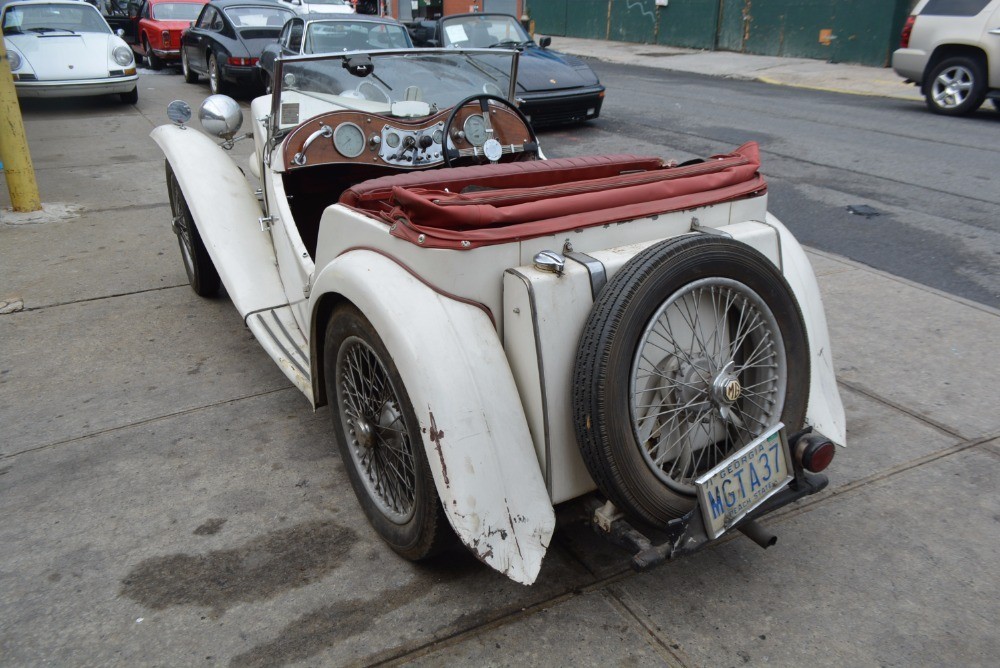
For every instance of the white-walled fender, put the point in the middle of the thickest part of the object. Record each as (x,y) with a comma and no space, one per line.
(825,411)
(475,434)
(227,214)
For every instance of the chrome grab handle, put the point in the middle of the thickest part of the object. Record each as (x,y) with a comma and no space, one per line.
(324,131)
(995,31)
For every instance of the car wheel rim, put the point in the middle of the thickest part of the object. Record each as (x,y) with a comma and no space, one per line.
(376,433)
(708,377)
(213,76)
(952,87)
(182,227)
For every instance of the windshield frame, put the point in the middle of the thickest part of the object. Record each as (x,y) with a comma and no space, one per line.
(272,121)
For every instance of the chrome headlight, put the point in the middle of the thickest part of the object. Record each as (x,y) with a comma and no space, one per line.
(14,58)
(122,55)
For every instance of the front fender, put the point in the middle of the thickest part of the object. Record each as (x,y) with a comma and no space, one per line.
(475,434)
(227,214)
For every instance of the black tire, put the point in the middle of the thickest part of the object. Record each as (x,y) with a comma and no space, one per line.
(198,263)
(651,391)
(190,75)
(215,82)
(152,60)
(956,86)
(131,97)
(367,397)
(996,103)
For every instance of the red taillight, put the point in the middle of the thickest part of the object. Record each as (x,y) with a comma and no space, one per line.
(815,452)
(241,62)
(904,39)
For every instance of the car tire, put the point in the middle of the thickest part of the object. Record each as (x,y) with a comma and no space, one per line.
(215,82)
(153,61)
(201,272)
(955,87)
(131,97)
(661,394)
(386,465)
(190,75)
(996,103)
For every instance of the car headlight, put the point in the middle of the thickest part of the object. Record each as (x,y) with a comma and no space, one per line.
(122,55)
(14,58)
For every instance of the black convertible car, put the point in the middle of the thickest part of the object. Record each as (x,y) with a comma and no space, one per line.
(553,87)
(225,42)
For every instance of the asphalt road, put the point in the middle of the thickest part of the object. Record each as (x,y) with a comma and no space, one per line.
(934,180)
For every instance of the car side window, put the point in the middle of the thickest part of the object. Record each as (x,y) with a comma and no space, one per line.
(295,37)
(205,20)
(217,24)
(954,7)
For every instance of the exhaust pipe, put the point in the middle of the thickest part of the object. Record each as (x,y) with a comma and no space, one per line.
(758,534)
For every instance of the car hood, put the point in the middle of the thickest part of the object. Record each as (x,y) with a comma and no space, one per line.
(255,39)
(543,70)
(58,56)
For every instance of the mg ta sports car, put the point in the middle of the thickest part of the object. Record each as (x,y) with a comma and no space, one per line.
(496,333)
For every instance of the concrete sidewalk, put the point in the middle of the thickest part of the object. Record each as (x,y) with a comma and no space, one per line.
(800,72)
(169,499)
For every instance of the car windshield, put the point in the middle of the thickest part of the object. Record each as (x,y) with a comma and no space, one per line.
(176,11)
(411,84)
(258,16)
(333,36)
(480,32)
(46,19)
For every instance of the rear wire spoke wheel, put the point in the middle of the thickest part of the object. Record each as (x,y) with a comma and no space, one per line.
(379,438)
(694,349)
(198,263)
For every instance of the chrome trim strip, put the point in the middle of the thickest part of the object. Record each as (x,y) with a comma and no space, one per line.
(277,341)
(541,379)
(598,273)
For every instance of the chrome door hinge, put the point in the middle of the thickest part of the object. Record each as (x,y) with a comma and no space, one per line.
(265,222)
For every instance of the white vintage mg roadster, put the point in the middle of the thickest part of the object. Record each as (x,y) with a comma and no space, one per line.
(496,333)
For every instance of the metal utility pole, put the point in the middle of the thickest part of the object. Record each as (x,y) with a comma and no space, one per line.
(14,153)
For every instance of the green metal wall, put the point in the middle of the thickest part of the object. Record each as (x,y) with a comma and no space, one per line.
(859,31)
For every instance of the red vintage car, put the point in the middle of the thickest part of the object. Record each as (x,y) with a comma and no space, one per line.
(156,26)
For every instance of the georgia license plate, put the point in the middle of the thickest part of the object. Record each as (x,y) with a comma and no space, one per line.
(744,481)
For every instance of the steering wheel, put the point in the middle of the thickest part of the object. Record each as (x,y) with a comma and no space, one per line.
(493,148)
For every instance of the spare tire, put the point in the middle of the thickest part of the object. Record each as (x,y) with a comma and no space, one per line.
(691,351)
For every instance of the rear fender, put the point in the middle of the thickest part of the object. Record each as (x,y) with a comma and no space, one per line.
(474,431)
(825,410)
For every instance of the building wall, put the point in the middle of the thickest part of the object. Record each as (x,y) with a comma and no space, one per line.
(858,31)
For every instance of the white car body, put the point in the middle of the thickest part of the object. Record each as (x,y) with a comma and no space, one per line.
(483,340)
(78,60)
(305,7)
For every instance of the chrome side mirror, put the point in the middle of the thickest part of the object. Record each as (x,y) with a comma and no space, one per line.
(179,112)
(120,32)
(221,116)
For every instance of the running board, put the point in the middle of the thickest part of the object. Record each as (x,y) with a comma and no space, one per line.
(281,337)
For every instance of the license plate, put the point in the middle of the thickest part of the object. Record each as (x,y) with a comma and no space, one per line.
(744,481)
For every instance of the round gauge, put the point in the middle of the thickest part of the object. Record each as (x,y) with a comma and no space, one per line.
(438,136)
(475,130)
(392,140)
(349,140)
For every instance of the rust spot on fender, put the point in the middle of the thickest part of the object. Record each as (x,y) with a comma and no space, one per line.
(436,437)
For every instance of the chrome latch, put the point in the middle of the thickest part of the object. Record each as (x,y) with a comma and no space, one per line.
(265,222)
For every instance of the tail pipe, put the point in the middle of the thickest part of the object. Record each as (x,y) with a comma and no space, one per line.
(758,534)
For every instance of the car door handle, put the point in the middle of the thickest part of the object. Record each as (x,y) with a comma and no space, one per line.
(995,31)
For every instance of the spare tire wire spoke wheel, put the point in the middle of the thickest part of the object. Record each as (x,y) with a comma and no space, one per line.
(693,350)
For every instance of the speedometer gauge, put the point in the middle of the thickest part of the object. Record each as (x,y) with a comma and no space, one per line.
(349,140)
(475,130)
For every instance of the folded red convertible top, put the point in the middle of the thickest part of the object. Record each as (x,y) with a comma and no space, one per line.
(527,199)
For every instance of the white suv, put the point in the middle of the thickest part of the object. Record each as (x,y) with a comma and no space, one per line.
(951,49)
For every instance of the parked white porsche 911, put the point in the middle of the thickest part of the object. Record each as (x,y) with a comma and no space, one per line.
(65,48)
(496,332)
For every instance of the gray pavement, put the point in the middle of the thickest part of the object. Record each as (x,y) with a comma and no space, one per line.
(168,498)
